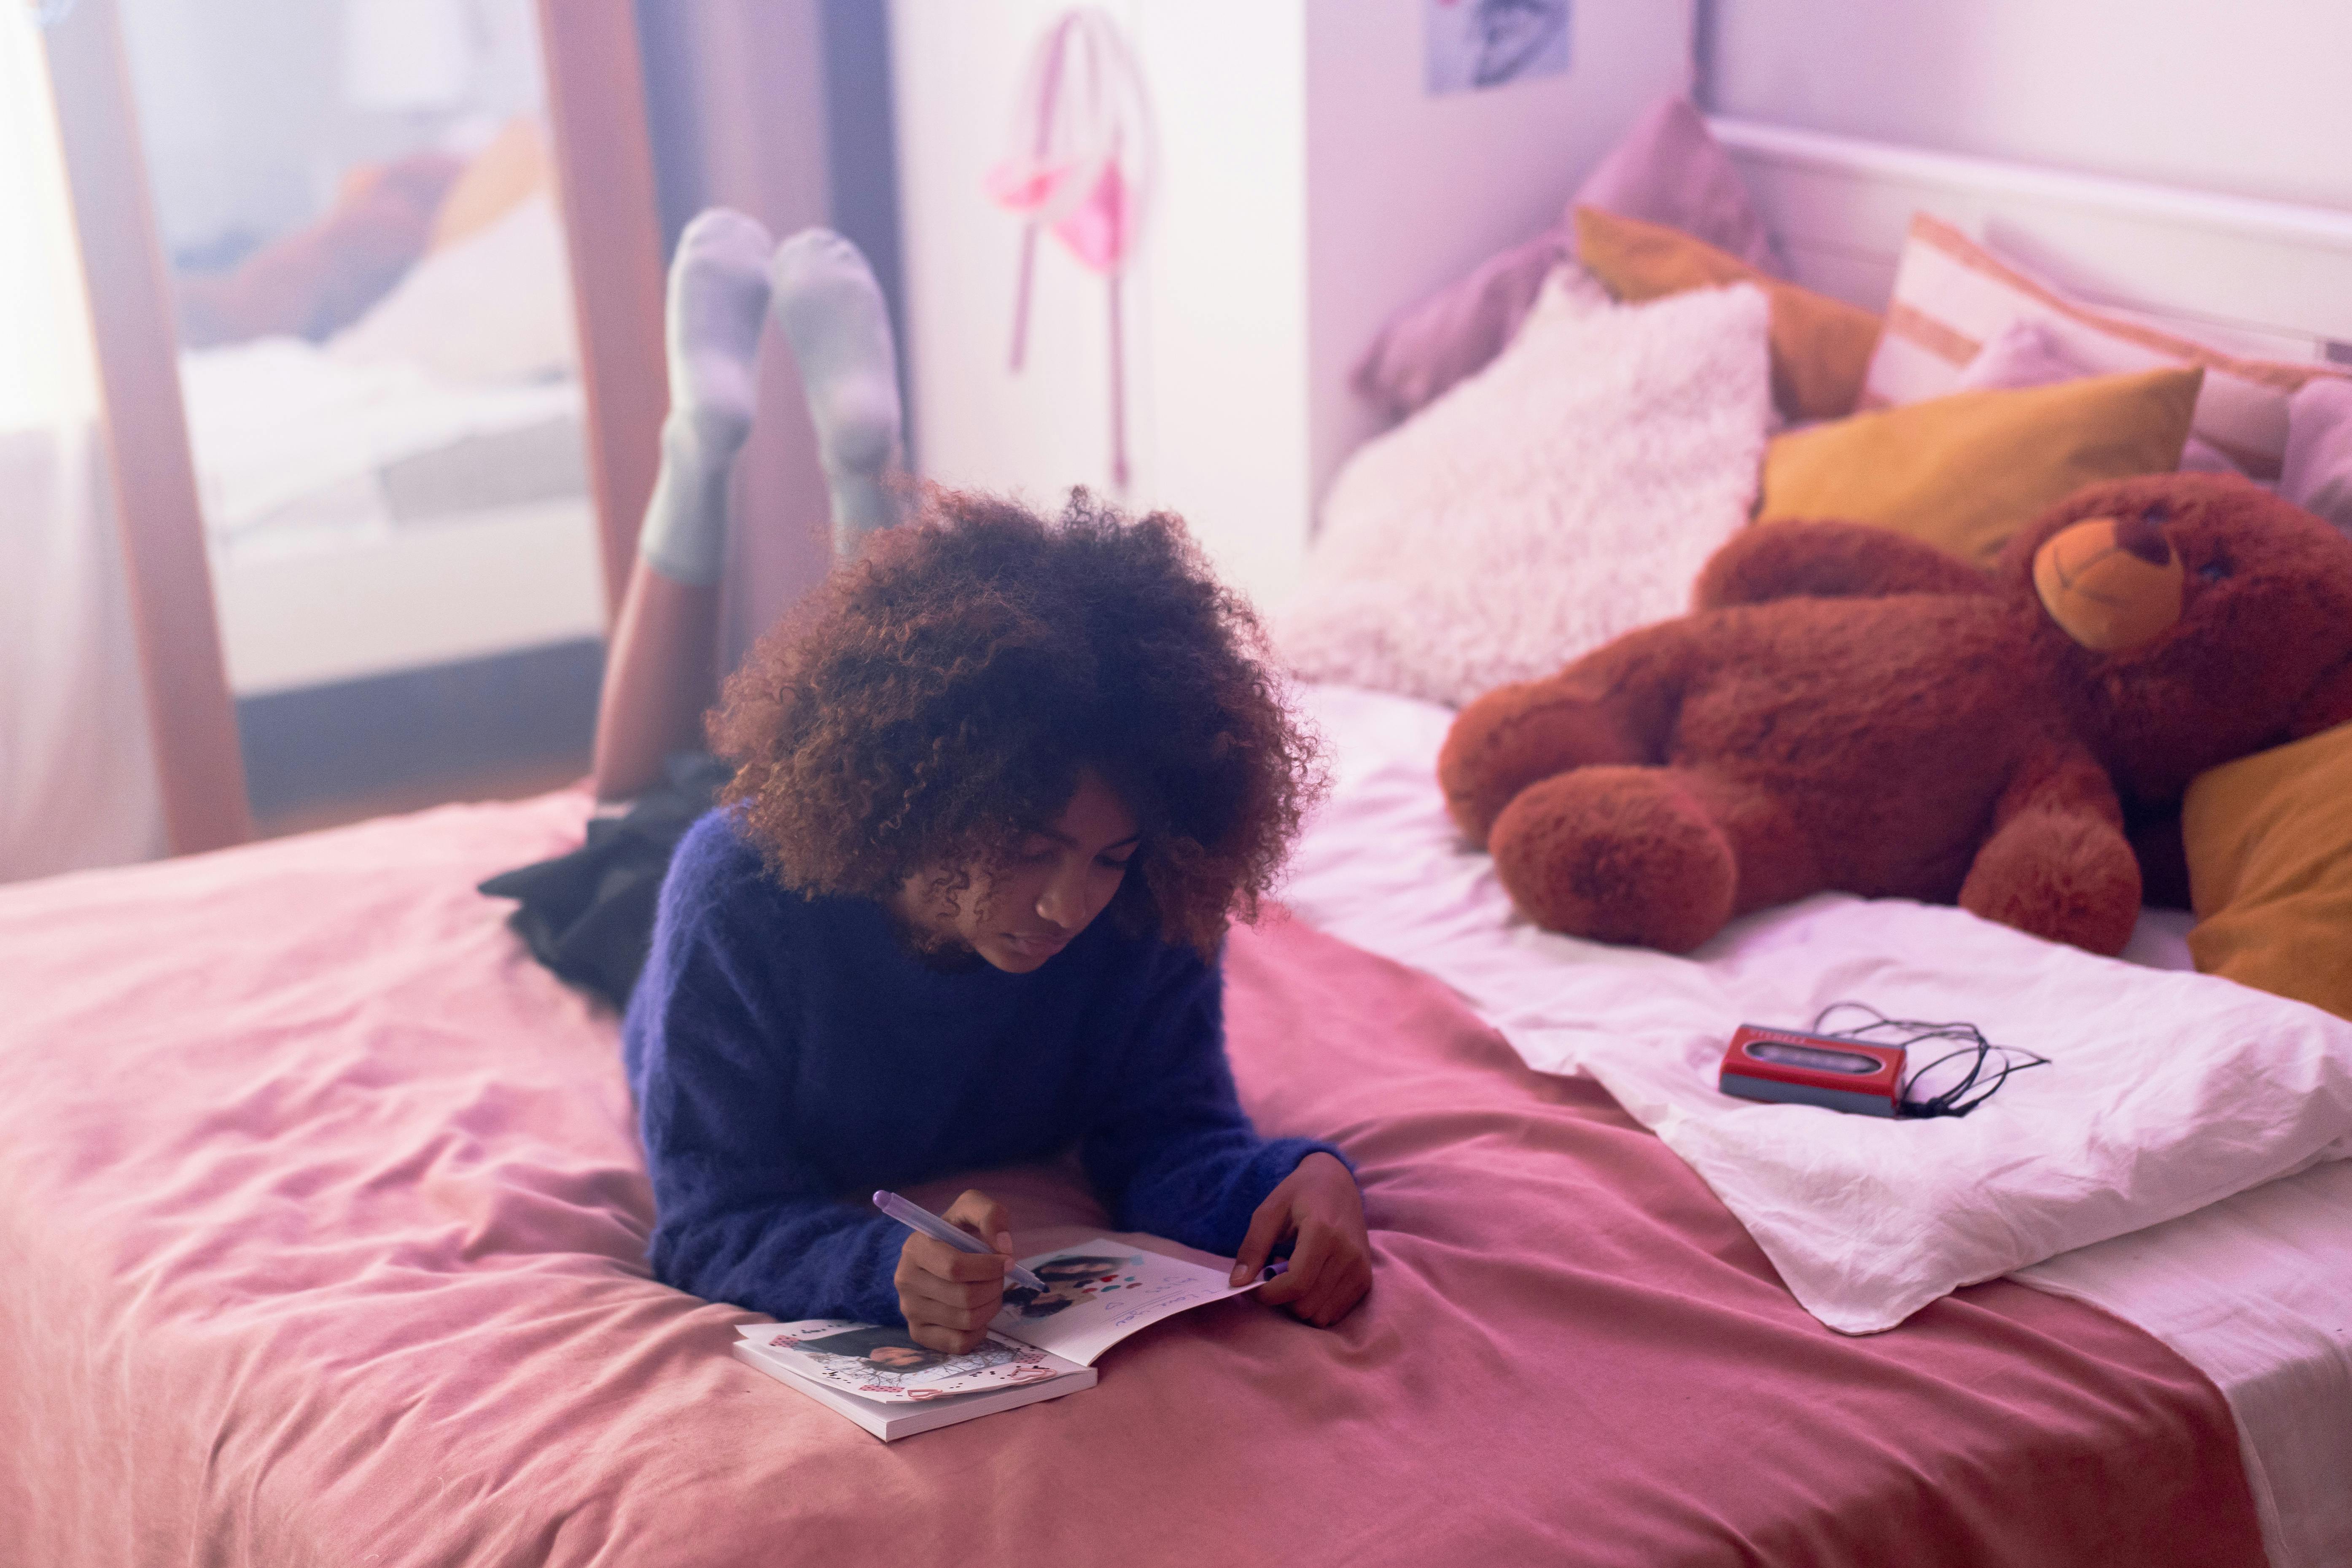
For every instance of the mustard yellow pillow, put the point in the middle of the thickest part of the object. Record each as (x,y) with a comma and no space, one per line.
(2269,870)
(1968,470)
(1820,346)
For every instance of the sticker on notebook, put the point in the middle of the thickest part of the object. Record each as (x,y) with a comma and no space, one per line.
(886,1363)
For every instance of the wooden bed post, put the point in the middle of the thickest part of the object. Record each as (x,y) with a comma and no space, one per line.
(612,224)
(198,765)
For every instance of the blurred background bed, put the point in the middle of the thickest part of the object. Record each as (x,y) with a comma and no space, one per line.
(378,363)
(376,292)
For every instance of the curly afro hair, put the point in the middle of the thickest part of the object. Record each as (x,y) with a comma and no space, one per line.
(936,700)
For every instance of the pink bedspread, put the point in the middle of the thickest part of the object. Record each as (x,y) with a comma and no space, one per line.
(320,1216)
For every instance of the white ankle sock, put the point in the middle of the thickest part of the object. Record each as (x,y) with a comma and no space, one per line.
(832,313)
(718,301)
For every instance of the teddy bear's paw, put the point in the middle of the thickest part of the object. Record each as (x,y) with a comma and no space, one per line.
(1617,854)
(1515,736)
(2059,875)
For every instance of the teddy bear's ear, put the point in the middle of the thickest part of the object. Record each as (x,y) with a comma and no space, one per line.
(2328,704)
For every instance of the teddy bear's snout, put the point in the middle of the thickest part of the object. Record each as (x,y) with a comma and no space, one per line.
(2110,583)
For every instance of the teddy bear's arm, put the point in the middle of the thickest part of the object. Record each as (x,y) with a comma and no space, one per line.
(2325,705)
(2056,863)
(1828,561)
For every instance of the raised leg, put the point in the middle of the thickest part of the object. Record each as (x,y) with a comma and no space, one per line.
(658,674)
(718,301)
(660,677)
(832,313)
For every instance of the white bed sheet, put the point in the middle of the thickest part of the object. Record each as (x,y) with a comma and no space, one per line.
(278,422)
(2253,1290)
(305,460)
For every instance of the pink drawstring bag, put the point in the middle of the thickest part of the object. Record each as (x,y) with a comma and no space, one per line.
(1080,168)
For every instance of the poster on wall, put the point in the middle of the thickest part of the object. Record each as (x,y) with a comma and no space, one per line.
(1472,45)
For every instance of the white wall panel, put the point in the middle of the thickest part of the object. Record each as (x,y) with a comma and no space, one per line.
(1406,191)
(1309,187)
(2247,98)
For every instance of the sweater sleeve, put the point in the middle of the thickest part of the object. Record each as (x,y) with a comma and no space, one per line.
(1172,1152)
(738,1217)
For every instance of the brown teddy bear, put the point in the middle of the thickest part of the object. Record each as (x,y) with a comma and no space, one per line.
(1850,708)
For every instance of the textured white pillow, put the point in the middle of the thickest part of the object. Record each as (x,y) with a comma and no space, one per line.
(1566,494)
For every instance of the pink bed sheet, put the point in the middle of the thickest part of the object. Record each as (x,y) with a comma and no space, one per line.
(321,1221)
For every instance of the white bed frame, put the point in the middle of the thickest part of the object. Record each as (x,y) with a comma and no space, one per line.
(2266,277)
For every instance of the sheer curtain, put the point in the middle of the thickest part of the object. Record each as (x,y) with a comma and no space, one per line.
(77,771)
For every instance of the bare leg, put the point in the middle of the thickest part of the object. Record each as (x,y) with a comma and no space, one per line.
(658,679)
(658,674)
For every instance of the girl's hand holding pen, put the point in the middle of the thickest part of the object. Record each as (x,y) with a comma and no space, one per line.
(950,1296)
(1319,1208)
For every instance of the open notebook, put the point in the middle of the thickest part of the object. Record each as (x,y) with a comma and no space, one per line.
(1041,1345)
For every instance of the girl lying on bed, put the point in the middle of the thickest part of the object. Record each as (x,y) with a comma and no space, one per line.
(1002,782)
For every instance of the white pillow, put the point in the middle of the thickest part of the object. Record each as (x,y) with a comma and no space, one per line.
(1566,494)
(494,307)
(1952,296)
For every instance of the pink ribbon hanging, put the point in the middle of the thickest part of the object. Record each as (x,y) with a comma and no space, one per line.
(1080,169)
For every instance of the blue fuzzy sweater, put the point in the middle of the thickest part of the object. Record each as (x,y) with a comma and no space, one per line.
(789,1055)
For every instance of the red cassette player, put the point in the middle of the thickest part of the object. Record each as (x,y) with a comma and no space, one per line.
(1794,1068)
